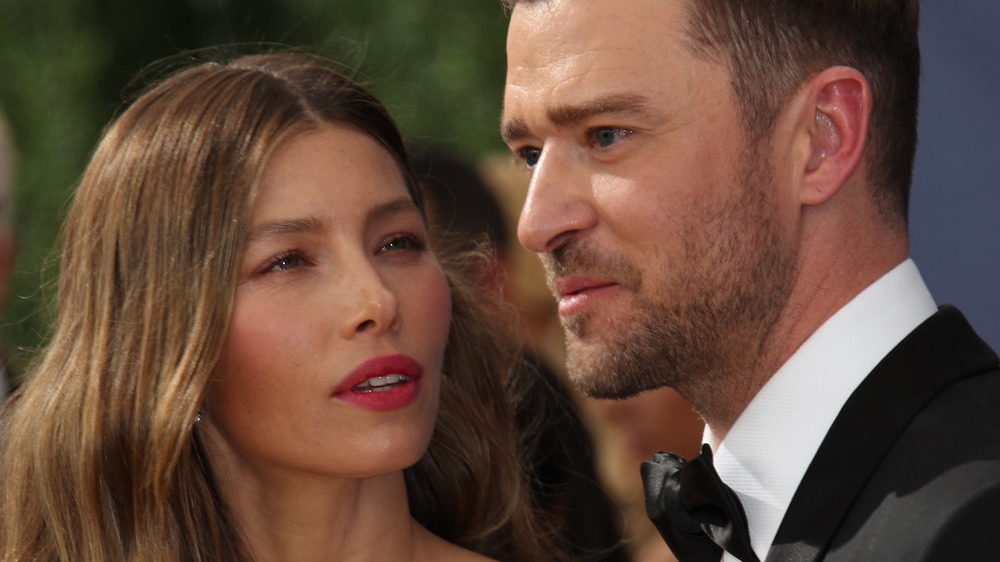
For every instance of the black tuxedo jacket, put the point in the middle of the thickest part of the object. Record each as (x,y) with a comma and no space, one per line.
(910,469)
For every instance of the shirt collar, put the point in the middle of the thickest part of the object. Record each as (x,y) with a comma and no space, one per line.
(769,448)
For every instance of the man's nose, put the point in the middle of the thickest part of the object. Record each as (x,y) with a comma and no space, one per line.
(558,205)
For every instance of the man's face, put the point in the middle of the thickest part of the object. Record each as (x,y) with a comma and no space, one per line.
(664,235)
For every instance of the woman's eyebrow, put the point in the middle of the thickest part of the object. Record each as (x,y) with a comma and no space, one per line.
(314,224)
(390,208)
(283,227)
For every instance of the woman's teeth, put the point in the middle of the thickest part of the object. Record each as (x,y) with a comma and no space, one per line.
(381,384)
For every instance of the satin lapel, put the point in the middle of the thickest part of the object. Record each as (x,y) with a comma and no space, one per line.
(939,352)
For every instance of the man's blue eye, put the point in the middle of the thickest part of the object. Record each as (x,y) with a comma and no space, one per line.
(607,136)
(530,156)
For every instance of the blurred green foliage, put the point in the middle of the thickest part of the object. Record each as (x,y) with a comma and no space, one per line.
(65,66)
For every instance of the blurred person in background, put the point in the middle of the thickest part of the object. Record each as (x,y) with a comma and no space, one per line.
(637,428)
(8,155)
(466,215)
(626,431)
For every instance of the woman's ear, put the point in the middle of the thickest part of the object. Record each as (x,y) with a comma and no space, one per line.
(840,98)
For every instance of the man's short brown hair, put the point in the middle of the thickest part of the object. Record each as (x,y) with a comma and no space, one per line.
(772,46)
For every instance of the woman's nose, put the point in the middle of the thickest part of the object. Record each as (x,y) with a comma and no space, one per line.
(374,310)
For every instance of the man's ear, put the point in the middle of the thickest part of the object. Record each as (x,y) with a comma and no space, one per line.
(840,98)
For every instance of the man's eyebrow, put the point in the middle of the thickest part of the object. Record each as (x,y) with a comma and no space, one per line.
(513,130)
(565,115)
(632,104)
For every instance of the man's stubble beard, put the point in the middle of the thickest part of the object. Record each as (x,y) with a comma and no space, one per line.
(698,328)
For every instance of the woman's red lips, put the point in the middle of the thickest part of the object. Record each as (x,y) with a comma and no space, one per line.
(382,383)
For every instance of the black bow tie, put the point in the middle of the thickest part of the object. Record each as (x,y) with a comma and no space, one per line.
(695,512)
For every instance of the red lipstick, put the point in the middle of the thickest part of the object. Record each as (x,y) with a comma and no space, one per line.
(382,383)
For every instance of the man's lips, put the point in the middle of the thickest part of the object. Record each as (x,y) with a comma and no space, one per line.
(576,292)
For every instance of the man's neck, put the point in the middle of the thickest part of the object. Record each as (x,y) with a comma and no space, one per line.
(812,301)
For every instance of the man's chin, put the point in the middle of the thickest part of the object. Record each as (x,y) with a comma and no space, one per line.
(583,366)
(592,372)
(593,385)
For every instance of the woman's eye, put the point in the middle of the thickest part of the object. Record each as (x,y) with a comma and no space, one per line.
(530,156)
(401,243)
(285,262)
(607,136)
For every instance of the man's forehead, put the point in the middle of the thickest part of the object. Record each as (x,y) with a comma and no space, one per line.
(564,44)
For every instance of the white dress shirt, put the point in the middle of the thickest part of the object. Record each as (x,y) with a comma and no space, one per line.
(768,449)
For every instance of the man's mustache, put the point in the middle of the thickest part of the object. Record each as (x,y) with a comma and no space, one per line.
(575,257)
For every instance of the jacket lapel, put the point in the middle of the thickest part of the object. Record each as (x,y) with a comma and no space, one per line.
(941,351)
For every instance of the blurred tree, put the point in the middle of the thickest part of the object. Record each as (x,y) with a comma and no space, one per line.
(51,58)
(65,67)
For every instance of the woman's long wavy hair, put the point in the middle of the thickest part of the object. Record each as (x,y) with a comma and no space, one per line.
(100,461)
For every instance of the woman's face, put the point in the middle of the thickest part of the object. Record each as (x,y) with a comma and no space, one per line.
(332,362)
